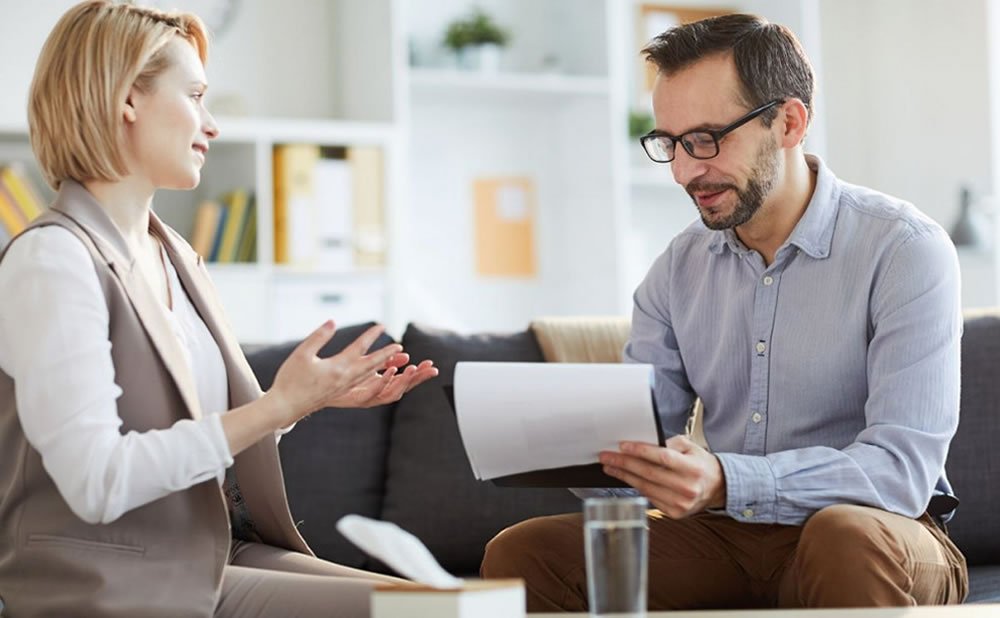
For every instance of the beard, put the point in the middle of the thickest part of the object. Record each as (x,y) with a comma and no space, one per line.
(748,199)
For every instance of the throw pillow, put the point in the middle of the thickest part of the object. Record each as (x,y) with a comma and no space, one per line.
(430,489)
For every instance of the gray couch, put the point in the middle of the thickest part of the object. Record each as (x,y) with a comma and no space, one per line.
(405,463)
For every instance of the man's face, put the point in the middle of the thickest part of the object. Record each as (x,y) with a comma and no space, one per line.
(731,187)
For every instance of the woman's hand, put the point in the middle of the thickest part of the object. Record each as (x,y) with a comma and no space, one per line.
(353,378)
(397,379)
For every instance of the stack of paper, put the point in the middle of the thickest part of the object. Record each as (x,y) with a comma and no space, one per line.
(520,417)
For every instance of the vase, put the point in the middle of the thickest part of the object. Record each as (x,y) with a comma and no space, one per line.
(485,58)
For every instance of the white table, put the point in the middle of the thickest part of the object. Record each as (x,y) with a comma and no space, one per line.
(958,611)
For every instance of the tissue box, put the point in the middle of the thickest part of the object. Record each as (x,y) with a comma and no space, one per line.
(494,598)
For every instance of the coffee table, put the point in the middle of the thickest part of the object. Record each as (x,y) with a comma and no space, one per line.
(958,611)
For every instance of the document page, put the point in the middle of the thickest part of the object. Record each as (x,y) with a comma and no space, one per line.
(519,417)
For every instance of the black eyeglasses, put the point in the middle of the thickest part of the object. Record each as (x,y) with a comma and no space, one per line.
(701,144)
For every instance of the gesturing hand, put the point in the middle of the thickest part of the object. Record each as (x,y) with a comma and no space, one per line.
(680,478)
(388,386)
(305,382)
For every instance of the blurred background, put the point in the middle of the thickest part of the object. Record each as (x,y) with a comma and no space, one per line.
(474,165)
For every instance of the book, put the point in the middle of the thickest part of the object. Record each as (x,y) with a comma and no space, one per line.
(369,211)
(203,232)
(11,217)
(236,203)
(335,214)
(21,190)
(294,203)
(549,431)
(219,229)
(4,237)
(247,251)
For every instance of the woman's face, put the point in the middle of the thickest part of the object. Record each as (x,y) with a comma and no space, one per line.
(169,128)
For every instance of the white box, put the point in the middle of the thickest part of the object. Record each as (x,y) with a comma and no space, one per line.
(494,598)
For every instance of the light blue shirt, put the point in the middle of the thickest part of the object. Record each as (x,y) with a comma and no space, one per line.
(830,376)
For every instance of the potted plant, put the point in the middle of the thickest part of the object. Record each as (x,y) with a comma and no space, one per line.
(639,123)
(476,40)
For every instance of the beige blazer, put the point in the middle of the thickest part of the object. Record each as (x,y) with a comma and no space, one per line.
(165,558)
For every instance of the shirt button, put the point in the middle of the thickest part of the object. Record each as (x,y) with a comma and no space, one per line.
(756,417)
(760,347)
(748,513)
(768,280)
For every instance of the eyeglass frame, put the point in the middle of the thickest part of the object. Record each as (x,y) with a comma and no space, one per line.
(717,134)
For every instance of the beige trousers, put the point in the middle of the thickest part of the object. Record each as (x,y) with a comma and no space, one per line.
(844,556)
(265,581)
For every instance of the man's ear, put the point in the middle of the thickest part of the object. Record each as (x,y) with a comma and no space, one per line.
(794,116)
(128,110)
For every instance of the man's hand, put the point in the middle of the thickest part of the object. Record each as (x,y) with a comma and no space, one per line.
(680,479)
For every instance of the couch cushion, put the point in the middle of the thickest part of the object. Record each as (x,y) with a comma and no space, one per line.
(974,460)
(430,489)
(334,460)
(984,584)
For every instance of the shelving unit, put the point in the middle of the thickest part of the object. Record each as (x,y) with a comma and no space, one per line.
(269,301)
(343,73)
(457,83)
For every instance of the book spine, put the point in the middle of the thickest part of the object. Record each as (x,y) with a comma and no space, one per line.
(11,216)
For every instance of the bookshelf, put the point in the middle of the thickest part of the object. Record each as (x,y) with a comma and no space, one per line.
(341,74)
(268,300)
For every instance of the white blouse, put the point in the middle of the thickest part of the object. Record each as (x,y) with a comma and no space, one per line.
(54,344)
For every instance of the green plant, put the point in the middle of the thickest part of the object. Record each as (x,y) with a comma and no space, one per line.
(476,29)
(639,123)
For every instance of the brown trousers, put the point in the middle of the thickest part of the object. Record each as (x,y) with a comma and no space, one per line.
(843,556)
(266,581)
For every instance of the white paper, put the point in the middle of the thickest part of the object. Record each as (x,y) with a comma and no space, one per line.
(512,203)
(397,548)
(518,417)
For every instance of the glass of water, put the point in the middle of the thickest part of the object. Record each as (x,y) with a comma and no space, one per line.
(616,545)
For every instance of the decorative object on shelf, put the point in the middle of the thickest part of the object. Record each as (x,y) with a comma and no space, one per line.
(969,230)
(639,123)
(477,41)
(505,226)
(653,18)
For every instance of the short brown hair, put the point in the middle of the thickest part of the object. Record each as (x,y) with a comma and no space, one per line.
(770,61)
(97,51)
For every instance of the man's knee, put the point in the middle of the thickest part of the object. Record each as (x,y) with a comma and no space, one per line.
(843,530)
(846,557)
(509,551)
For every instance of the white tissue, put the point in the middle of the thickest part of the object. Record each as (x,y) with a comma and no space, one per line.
(397,548)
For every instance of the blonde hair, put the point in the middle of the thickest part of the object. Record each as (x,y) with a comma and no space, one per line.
(97,51)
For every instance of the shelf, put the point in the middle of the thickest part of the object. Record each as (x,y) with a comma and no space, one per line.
(287,270)
(13,129)
(455,83)
(249,129)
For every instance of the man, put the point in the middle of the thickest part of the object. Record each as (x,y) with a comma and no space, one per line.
(819,323)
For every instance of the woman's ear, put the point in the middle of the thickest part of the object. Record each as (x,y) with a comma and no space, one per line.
(128,111)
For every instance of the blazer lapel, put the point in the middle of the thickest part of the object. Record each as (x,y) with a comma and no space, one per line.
(259,466)
(78,204)
(243,386)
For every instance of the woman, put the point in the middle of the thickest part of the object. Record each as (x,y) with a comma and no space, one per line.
(125,403)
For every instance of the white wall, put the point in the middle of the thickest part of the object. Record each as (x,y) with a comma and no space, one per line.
(276,58)
(906,86)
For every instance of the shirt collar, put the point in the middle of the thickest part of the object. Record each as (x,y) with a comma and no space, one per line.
(813,234)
